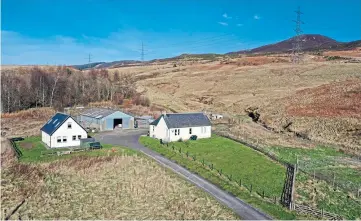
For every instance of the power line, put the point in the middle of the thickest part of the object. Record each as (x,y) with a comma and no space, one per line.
(297,46)
(196,45)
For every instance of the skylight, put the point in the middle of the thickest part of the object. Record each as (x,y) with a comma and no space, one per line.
(55,121)
(57,124)
(50,121)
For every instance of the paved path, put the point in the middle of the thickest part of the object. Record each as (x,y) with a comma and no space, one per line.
(130,139)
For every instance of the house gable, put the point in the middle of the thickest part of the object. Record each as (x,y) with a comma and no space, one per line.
(56,122)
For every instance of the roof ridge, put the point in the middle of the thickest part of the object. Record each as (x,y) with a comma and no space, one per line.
(187,113)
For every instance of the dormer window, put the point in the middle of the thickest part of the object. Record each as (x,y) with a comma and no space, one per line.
(69,125)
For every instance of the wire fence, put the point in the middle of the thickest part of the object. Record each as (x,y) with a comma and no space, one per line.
(313,168)
(240,183)
(228,178)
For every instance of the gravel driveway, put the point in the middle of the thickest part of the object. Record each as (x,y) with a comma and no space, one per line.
(130,139)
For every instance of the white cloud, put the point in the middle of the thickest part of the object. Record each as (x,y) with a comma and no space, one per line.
(239,25)
(223,23)
(226,16)
(257,17)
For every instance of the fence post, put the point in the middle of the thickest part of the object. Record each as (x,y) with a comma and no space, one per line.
(333,182)
(180,150)
(187,154)
(314,174)
(263,194)
(275,199)
(240,182)
(251,189)
(322,213)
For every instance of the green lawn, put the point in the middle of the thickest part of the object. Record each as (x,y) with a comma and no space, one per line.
(234,159)
(32,149)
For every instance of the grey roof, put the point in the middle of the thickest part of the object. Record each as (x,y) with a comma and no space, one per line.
(98,113)
(184,120)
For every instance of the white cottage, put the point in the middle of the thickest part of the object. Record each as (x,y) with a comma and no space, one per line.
(173,127)
(62,131)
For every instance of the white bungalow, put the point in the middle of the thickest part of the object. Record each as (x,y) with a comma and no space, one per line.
(173,127)
(62,131)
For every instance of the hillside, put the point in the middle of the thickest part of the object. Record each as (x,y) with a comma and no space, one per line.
(266,86)
(310,42)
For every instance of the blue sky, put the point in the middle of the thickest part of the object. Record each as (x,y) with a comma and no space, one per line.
(66,31)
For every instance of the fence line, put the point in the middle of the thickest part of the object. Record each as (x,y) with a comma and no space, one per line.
(229,178)
(286,164)
(315,212)
(16,149)
(240,183)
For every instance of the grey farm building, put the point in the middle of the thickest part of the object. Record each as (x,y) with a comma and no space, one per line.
(105,119)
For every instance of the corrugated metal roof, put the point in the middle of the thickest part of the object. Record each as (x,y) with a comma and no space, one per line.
(184,120)
(54,123)
(98,113)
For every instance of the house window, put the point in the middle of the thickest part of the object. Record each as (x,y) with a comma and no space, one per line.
(69,125)
(64,139)
(79,137)
(190,130)
(74,137)
(176,132)
(58,139)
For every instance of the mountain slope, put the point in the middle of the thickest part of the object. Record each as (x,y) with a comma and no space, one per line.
(310,42)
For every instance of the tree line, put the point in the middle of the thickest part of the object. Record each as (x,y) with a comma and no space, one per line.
(61,86)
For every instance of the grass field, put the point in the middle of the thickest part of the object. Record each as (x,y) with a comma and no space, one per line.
(233,158)
(322,195)
(237,160)
(32,149)
(340,198)
(112,183)
(119,187)
(327,162)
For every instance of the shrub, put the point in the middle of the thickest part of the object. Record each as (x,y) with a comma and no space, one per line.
(180,140)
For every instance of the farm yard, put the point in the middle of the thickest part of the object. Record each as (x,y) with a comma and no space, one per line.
(101,184)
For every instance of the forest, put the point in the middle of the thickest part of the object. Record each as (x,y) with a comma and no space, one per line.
(61,86)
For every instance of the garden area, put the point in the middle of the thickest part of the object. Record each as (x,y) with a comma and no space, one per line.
(33,150)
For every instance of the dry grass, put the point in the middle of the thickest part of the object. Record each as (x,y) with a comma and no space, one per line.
(12,124)
(33,113)
(124,187)
(230,89)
